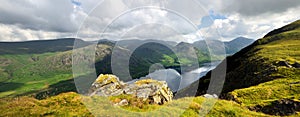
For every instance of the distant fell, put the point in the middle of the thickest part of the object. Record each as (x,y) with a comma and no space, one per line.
(39,46)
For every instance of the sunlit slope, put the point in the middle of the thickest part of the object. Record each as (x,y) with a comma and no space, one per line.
(69,104)
(265,73)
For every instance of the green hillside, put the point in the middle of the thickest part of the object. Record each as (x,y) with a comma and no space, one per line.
(69,104)
(39,46)
(183,54)
(43,73)
(26,73)
(264,76)
(23,74)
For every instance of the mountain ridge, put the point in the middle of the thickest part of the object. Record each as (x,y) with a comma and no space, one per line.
(255,78)
(251,48)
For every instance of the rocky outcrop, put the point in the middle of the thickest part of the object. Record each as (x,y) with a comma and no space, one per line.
(171,76)
(296,65)
(284,107)
(107,85)
(284,63)
(210,96)
(156,92)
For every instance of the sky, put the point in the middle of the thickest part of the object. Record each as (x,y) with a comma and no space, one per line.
(172,20)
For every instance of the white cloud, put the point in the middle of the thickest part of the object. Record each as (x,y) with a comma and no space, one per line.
(14,33)
(147,22)
(49,15)
(27,19)
(250,26)
(258,7)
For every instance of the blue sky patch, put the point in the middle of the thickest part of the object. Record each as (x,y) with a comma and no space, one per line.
(207,21)
(76,2)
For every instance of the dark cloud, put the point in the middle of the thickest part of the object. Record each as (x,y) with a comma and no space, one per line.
(257,7)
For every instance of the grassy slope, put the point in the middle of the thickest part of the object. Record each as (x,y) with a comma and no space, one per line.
(27,67)
(69,104)
(253,76)
(26,75)
(282,87)
(51,71)
(257,63)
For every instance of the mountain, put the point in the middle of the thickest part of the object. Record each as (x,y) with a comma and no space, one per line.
(217,46)
(45,67)
(264,76)
(47,64)
(148,54)
(237,44)
(188,55)
(294,26)
(183,55)
(39,46)
(130,43)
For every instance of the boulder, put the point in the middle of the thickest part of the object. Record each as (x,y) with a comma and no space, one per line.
(296,65)
(171,76)
(156,92)
(107,85)
(284,63)
(210,96)
(123,102)
(283,107)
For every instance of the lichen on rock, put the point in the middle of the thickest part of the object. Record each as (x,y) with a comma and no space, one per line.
(107,85)
(154,91)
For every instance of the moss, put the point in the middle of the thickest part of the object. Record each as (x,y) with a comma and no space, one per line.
(67,104)
(111,78)
(70,104)
(147,81)
(272,90)
(134,103)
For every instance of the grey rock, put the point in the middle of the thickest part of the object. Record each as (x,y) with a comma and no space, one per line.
(284,63)
(210,96)
(171,76)
(123,102)
(157,92)
(296,65)
(107,85)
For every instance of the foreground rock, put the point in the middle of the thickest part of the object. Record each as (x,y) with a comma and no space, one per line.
(284,63)
(284,107)
(171,76)
(107,85)
(156,92)
(296,65)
